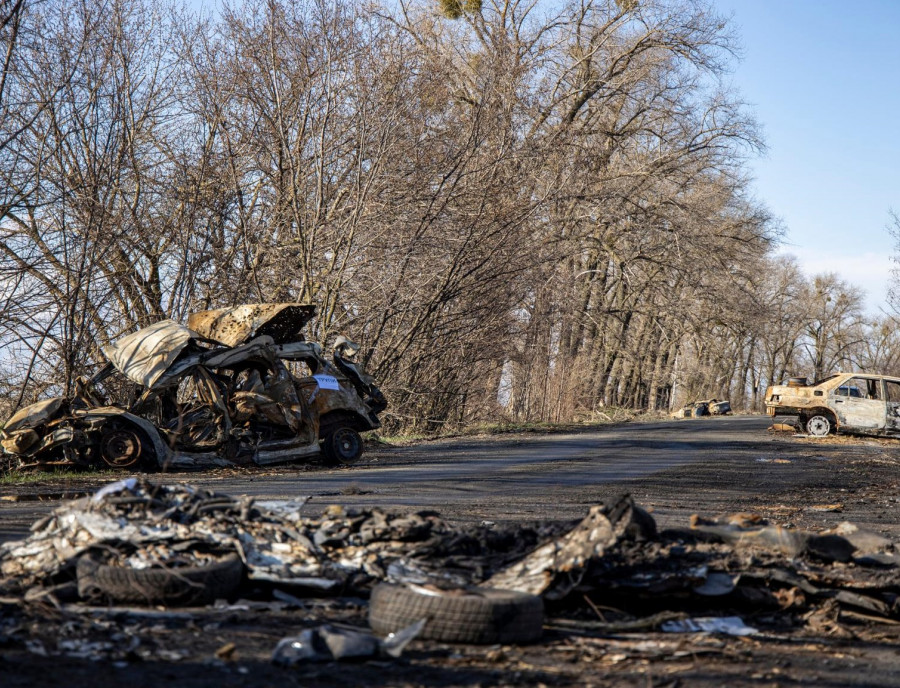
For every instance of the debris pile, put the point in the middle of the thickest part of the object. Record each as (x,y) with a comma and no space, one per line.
(152,526)
(613,559)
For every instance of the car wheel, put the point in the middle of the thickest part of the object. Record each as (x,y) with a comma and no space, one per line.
(342,445)
(124,447)
(818,425)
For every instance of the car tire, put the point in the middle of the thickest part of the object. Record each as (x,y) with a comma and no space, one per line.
(342,445)
(478,615)
(818,425)
(180,586)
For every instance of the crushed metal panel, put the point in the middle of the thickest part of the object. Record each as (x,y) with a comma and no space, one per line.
(233,326)
(33,415)
(570,554)
(144,356)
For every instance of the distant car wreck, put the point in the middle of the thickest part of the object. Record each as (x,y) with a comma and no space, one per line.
(217,393)
(710,407)
(853,403)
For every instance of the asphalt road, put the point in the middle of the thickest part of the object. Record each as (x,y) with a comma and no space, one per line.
(512,477)
(490,471)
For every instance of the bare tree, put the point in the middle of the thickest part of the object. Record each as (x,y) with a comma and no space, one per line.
(527,209)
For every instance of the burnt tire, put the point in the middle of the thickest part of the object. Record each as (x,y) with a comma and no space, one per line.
(479,615)
(179,586)
(341,445)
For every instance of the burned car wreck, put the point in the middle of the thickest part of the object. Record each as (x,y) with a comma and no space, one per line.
(854,403)
(238,386)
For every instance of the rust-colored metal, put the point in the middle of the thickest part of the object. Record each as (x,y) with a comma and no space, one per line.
(233,326)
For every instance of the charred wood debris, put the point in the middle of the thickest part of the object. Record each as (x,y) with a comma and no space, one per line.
(612,573)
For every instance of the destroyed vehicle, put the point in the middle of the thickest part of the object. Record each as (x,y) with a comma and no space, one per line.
(171,397)
(710,407)
(345,399)
(853,403)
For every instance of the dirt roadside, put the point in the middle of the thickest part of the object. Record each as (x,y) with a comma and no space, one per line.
(809,484)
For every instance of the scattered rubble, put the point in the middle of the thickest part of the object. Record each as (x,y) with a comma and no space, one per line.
(737,575)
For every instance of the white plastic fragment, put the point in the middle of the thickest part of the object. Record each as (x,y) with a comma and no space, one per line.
(327,381)
(284,508)
(113,488)
(716,584)
(729,625)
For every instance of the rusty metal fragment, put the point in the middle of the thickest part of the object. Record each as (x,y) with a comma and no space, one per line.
(34,415)
(232,326)
(554,569)
(566,557)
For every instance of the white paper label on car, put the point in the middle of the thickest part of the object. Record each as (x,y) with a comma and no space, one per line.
(327,382)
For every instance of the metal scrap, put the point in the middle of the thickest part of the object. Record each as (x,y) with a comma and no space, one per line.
(554,569)
(232,326)
(614,558)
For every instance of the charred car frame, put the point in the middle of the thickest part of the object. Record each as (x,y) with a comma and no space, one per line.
(219,392)
(853,403)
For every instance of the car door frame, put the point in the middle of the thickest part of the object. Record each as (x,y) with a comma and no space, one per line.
(859,413)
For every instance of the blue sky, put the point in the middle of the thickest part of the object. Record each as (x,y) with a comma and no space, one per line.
(823,78)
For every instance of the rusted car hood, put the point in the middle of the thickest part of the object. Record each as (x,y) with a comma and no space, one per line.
(233,326)
(144,356)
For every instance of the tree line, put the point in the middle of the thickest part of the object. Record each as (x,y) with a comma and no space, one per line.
(520,209)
